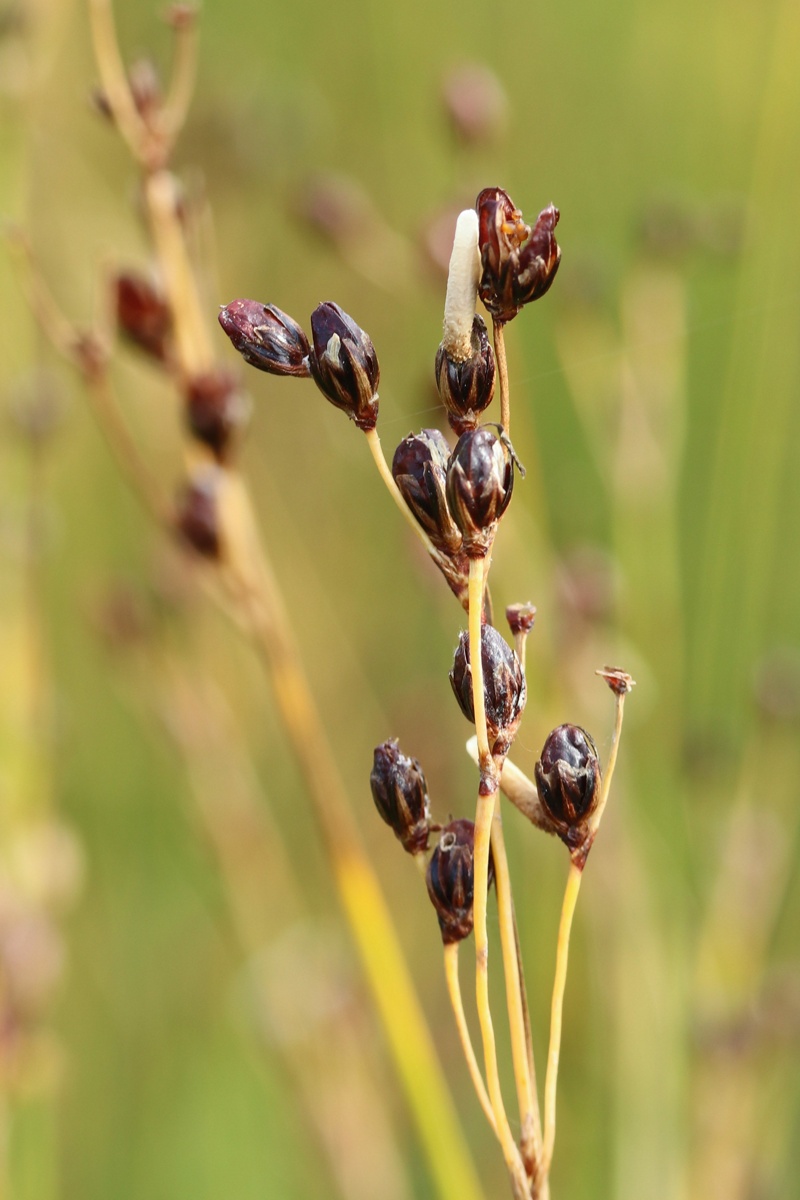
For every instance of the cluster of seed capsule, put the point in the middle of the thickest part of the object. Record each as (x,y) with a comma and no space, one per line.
(457,497)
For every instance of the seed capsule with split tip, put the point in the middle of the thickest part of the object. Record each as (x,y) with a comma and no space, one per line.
(466,388)
(568,781)
(451,880)
(505,690)
(480,478)
(266,337)
(518,264)
(216,409)
(344,364)
(401,796)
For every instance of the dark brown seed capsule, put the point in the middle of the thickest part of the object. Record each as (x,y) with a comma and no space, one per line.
(504,685)
(401,796)
(466,388)
(143,314)
(521,618)
(266,337)
(480,478)
(344,364)
(419,468)
(568,781)
(451,880)
(216,409)
(518,264)
(197,515)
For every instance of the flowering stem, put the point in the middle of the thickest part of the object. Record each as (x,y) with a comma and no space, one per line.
(531,1134)
(487,796)
(556,1012)
(502,373)
(454,990)
(608,774)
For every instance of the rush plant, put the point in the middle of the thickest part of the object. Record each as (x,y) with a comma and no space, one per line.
(454,499)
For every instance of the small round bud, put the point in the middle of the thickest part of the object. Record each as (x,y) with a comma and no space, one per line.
(466,388)
(143,314)
(401,796)
(480,478)
(451,880)
(518,264)
(504,685)
(521,618)
(197,515)
(568,781)
(344,364)
(266,338)
(216,409)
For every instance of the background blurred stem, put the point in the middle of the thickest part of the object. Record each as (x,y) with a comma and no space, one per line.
(364,907)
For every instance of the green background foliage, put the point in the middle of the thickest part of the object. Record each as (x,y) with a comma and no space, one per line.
(654,402)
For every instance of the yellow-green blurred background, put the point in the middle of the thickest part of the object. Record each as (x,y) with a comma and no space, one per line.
(181,1013)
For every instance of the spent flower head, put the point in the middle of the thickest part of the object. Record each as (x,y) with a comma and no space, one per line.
(518,263)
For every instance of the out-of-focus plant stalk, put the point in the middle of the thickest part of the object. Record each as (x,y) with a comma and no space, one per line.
(254,591)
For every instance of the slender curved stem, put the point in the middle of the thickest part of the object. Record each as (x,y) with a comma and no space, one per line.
(454,991)
(502,374)
(115,79)
(556,1011)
